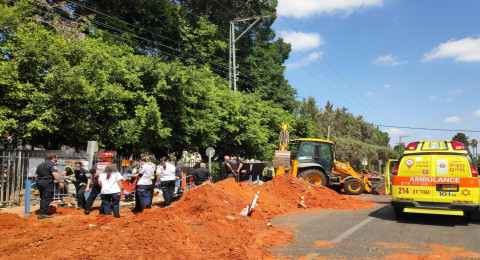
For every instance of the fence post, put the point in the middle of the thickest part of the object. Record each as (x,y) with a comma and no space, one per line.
(28,189)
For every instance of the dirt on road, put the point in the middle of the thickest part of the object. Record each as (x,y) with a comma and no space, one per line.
(205,223)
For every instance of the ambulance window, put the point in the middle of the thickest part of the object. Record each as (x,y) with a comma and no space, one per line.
(392,165)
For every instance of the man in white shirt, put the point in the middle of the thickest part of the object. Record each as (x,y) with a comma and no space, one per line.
(144,183)
(166,176)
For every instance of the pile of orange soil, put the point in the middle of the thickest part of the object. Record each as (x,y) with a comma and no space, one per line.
(205,223)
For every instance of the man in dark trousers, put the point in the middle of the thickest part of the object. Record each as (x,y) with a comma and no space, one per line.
(99,167)
(232,167)
(45,174)
(82,184)
(202,174)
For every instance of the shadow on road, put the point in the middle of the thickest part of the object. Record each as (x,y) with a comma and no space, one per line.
(386,213)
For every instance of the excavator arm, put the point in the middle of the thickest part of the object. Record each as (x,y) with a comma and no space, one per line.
(281,160)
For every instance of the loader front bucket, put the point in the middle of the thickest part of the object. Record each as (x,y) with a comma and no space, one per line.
(379,187)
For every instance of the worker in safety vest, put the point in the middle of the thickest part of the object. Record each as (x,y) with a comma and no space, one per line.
(268,174)
(107,158)
(68,175)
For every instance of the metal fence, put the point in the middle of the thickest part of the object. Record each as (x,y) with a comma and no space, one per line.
(18,166)
(11,179)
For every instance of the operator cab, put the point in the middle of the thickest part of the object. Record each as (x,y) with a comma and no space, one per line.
(310,151)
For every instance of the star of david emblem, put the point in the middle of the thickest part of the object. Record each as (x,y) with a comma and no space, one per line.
(465,192)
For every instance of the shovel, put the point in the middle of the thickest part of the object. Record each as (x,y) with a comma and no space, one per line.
(248,209)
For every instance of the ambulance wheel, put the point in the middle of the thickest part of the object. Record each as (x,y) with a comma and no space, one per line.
(314,176)
(399,212)
(472,216)
(354,186)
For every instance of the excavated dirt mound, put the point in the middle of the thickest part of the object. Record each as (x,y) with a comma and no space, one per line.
(205,223)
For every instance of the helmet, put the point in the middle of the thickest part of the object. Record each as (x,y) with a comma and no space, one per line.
(106,155)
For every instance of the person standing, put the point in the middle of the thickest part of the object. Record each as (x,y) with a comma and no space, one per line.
(153,180)
(202,174)
(82,184)
(232,166)
(100,167)
(179,174)
(166,176)
(144,183)
(132,169)
(110,182)
(129,183)
(268,174)
(69,178)
(46,173)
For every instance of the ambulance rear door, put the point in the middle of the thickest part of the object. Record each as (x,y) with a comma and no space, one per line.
(453,180)
(413,180)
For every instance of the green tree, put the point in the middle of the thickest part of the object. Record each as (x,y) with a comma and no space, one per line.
(197,31)
(399,148)
(474,144)
(58,89)
(462,138)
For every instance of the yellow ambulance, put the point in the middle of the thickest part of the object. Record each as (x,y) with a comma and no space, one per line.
(436,177)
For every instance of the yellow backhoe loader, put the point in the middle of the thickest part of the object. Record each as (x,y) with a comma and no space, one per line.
(313,160)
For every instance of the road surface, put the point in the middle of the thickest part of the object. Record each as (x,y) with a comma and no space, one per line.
(375,233)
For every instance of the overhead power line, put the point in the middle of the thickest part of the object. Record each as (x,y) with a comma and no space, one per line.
(365,105)
(220,71)
(431,129)
(138,27)
(247,79)
(366,108)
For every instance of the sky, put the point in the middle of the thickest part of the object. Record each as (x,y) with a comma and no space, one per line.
(400,64)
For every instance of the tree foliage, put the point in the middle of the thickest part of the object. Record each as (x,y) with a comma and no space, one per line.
(353,151)
(151,76)
(462,138)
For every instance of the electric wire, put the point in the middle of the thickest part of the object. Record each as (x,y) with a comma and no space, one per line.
(140,28)
(146,46)
(123,31)
(220,71)
(354,98)
(431,129)
(361,106)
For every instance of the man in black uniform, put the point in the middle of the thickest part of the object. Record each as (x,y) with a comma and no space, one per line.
(202,174)
(45,174)
(232,167)
(82,184)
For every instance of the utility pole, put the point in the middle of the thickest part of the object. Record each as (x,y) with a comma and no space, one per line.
(330,119)
(232,69)
(400,142)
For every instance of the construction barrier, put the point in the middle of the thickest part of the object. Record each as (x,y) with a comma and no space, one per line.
(28,194)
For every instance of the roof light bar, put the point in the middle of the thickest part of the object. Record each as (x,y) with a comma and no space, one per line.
(412,146)
(458,146)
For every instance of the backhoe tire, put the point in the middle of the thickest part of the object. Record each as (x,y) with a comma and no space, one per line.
(354,186)
(314,176)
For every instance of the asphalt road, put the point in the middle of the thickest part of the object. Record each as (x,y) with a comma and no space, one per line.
(375,233)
